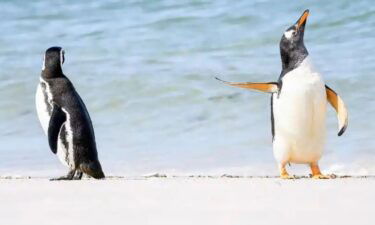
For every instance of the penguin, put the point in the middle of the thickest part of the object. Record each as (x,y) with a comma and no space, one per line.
(299,105)
(65,120)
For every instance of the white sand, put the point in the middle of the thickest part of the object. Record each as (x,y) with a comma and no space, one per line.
(188,201)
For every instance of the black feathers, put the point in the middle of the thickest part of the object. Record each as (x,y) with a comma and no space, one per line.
(58,118)
(53,59)
(292,47)
(70,124)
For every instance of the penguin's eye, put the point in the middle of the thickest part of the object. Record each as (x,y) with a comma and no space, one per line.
(294,33)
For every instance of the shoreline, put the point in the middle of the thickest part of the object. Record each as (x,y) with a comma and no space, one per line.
(167,176)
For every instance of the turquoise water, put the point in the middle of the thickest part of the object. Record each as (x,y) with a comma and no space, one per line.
(145,70)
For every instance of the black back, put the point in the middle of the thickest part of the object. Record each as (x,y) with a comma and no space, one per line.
(65,96)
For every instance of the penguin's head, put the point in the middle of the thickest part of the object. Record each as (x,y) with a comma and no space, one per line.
(292,47)
(53,60)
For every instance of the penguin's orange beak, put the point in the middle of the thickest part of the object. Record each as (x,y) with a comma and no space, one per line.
(302,20)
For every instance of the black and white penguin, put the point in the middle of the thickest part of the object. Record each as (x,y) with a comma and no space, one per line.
(65,120)
(298,105)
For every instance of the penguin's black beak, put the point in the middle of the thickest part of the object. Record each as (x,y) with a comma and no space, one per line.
(301,22)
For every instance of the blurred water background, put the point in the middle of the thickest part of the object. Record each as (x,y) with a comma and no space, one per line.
(145,71)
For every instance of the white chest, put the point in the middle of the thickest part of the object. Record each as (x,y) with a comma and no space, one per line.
(299,114)
(302,87)
(44,109)
(43,100)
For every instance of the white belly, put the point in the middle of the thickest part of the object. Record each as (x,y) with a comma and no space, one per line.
(299,115)
(44,111)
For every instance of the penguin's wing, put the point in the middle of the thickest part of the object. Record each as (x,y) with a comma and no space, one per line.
(337,103)
(269,87)
(58,118)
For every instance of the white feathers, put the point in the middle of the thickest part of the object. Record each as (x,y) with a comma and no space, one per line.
(69,138)
(61,57)
(299,114)
(43,105)
(288,34)
(44,62)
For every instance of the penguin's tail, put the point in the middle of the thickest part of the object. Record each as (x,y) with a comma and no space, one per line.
(93,169)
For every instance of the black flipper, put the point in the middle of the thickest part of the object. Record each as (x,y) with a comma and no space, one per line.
(58,118)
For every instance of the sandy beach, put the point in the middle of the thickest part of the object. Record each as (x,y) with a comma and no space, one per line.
(187,200)
(145,71)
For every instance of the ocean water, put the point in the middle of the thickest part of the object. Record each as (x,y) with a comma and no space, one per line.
(145,70)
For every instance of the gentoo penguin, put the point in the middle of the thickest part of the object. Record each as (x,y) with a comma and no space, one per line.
(298,105)
(65,120)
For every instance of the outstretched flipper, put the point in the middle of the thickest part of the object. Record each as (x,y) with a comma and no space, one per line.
(337,103)
(269,87)
(58,118)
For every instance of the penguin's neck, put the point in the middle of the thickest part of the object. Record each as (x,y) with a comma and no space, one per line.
(52,72)
(293,58)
